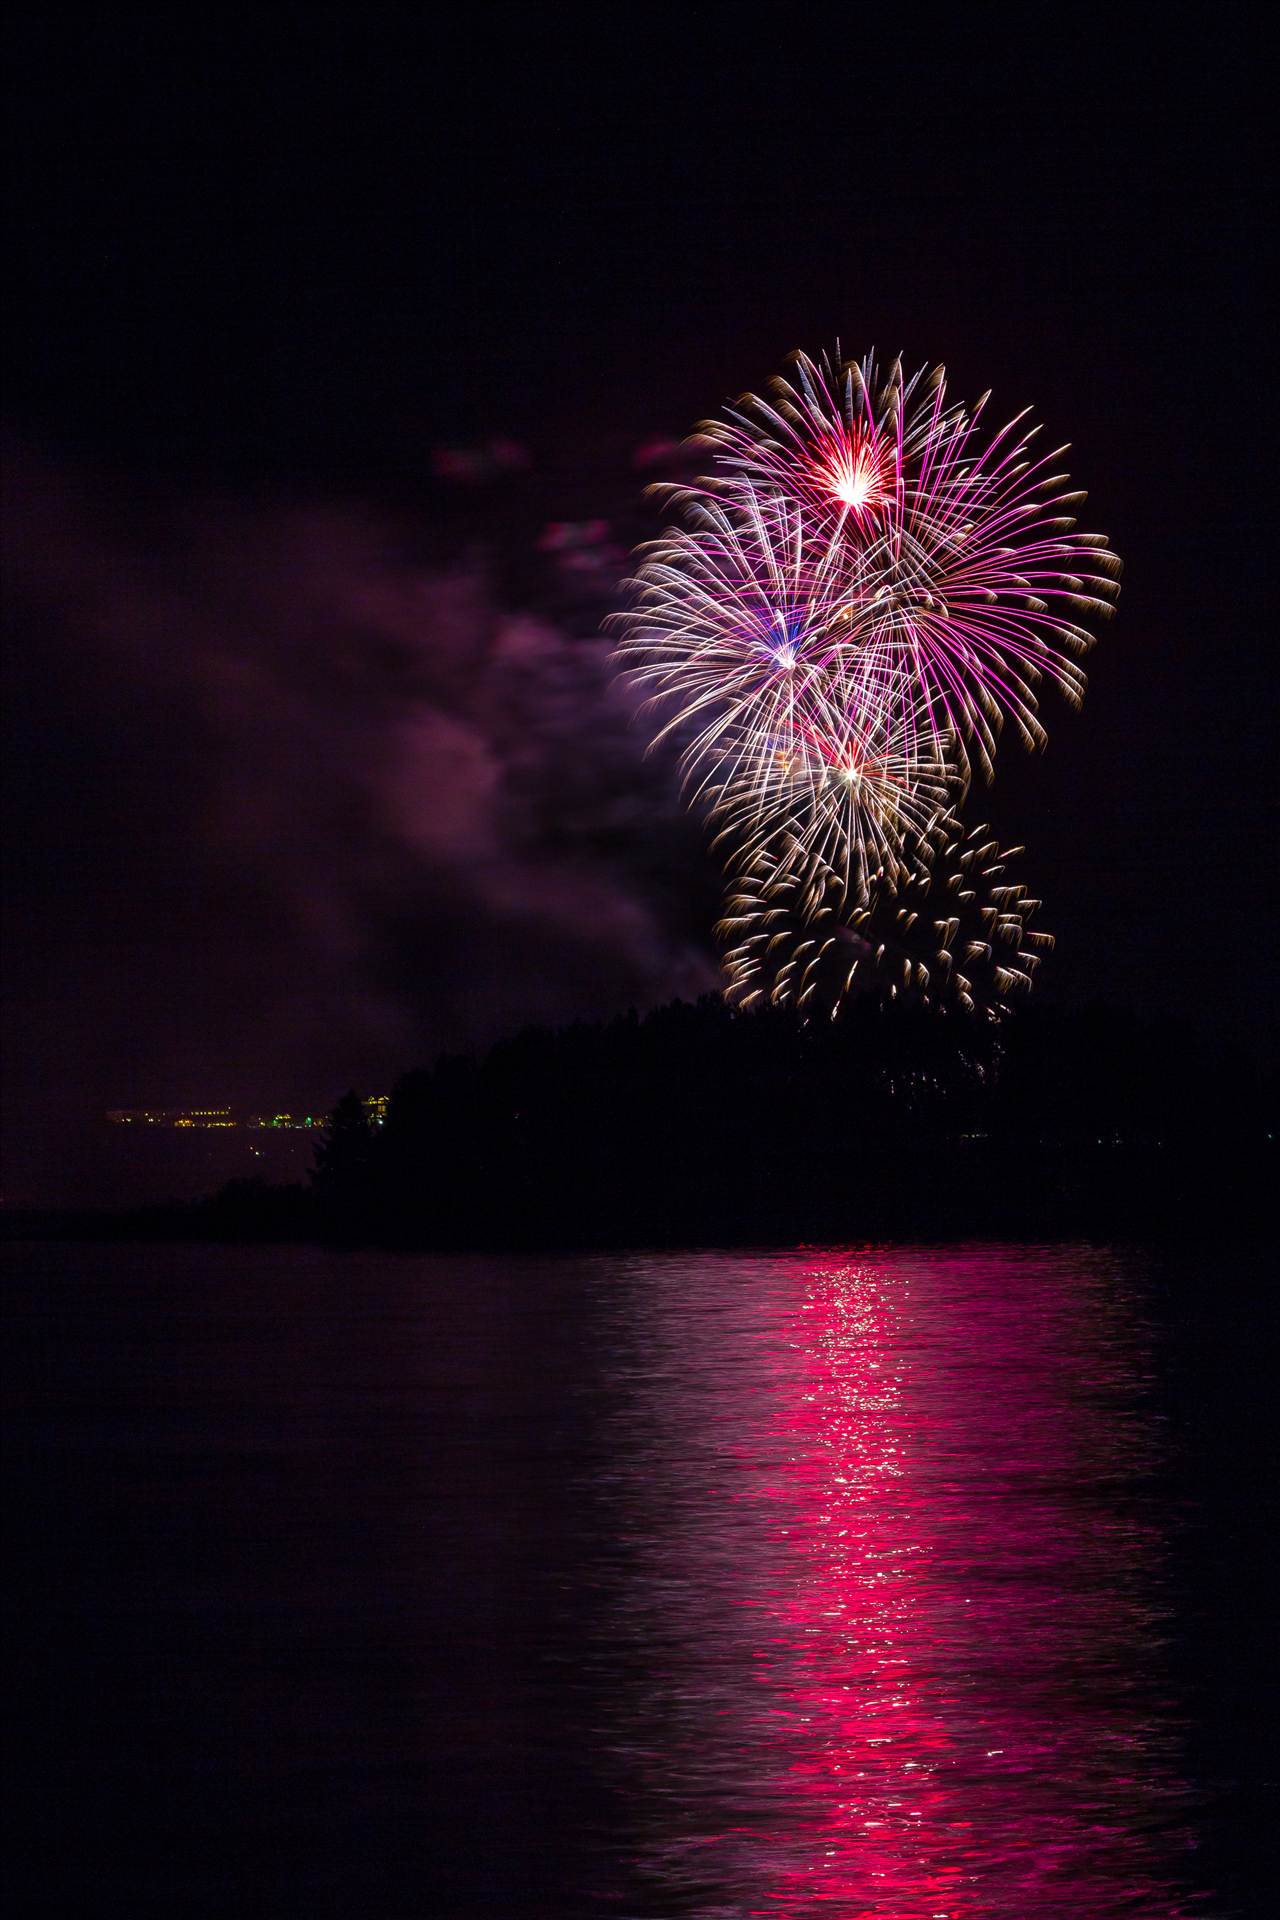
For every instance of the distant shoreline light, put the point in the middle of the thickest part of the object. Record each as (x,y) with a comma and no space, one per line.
(220,1119)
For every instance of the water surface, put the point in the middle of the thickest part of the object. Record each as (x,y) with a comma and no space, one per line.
(821,1582)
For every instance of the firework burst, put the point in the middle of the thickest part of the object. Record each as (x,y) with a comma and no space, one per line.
(954,930)
(845,612)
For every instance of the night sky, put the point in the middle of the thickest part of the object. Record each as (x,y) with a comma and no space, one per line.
(341,353)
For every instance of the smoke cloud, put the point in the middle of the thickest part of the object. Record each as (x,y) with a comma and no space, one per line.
(297,806)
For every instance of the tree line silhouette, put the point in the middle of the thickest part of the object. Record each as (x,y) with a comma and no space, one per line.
(696,1124)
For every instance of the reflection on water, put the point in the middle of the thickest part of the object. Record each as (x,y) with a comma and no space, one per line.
(892,1583)
(667,1586)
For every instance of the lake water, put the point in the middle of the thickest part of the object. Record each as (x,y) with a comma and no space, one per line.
(920,1584)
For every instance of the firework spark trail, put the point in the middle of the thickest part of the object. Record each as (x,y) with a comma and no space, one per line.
(955,930)
(847,609)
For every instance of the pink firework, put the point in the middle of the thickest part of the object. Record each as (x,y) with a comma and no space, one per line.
(959,547)
(850,604)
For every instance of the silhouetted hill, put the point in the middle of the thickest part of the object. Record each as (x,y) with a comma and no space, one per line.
(697,1124)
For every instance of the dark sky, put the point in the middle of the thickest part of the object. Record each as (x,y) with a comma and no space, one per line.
(335,348)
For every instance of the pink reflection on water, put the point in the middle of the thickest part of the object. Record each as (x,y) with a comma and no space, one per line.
(897,1570)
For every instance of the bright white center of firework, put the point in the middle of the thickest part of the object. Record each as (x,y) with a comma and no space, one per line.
(785,657)
(853,482)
